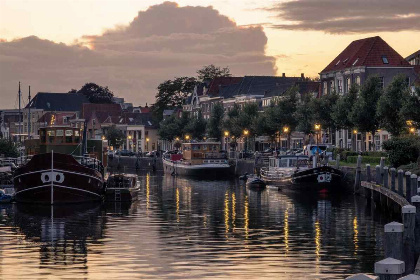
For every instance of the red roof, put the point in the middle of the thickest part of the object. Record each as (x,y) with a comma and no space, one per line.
(216,83)
(102,110)
(58,117)
(367,52)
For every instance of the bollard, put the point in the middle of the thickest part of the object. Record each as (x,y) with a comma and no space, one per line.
(357,180)
(408,185)
(415,200)
(361,276)
(394,240)
(368,173)
(393,173)
(401,182)
(413,185)
(337,162)
(378,175)
(359,161)
(314,161)
(385,177)
(382,165)
(389,269)
(418,185)
(409,219)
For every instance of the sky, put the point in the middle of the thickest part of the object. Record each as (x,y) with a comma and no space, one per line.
(132,46)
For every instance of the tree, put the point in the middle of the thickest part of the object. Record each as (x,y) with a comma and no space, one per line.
(172,94)
(214,127)
(304,115)
(115,137)
(363,114)
(210,72)
(342,109)
(410,108)
(231,123)
(95,93)
(196,127)
(390,104)
(8,148)
(169,129)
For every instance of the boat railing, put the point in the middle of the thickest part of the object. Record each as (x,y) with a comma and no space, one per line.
(90,162)
(275,174)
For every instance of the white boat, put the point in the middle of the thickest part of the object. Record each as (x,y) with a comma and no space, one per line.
(198,159)
(281,169)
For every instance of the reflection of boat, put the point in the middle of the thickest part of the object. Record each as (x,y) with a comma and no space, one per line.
(200,159)
(122,187)
(59,177)
(255,182)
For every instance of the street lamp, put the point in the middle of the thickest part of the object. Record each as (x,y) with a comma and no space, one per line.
(246,132)
(317,129)
(226,139)
(187,137)
(286,131)
(147,143)
(129,138)
(412,130)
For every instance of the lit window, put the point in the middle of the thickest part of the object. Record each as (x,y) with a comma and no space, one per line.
(358,80)
(385,60)
(348,84)
(325,88)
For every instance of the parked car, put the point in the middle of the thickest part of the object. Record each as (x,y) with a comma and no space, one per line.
(111,154)
(152,154)
(125,153)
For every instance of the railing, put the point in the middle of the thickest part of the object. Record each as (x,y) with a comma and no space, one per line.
(275,174)
(90,162)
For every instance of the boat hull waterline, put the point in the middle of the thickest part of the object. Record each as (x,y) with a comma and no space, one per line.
(212,171)
(57,178)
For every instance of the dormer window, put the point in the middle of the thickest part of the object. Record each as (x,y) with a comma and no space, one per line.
(338,62)
(354,63)
(385,59)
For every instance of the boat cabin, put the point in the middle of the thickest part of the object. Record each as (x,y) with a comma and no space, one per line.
(289,161)
(202,152)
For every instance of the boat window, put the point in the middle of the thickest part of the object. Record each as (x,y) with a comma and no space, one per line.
(292,162)
(283,162)
(59,134)
(69,134)
(76,133)
(196,147)
(51,135)
(205,147)
(42,134)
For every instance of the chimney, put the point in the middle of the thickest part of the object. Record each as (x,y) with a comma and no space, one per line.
(283,75)
(302,75)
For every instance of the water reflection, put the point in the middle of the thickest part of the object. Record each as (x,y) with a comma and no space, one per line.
(190,229)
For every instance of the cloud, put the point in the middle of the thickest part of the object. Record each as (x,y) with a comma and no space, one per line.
(162,42)
(349,16)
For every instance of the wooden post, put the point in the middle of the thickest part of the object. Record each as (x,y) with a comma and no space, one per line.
(385,177)
(362,276)
(409,220)
(418,185)
(337,162)
(394,240)
(358,175)
(413,186)
(401,182)
(378,175)
(389,269)
(408,185)
(415,200)
(393,173)
(368,173)
(382,165)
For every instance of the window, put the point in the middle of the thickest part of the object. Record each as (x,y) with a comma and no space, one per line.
(69,134)
(348,84)
(325,88)
(381,82)
(385,59)
(331,86)
(354,63)
(51,135)
(358,80)
(65,120)
(340,86)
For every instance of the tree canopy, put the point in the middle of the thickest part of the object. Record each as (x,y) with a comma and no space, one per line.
(95,93)
(211,72)
(115,137)
(214,126)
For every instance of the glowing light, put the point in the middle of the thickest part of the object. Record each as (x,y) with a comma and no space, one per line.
(286,230)
(285,129)
(246,217)
(147,191)
(226,212)
(147,139)
(317,127)
(317,240)
(233,211)
(412,130)
(355,131)
(355,235)
(177,138)
(187,137)
(246,132)
(226,133)
(177,205)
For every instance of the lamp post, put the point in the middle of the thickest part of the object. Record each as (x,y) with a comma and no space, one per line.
(412,130)
(317,129)
(246,132)
(226,139)
(129,142)
(187,137)
(355,139)
(147,143)
(286,131)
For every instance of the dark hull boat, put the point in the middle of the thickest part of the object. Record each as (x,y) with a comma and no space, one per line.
(122,188)
(324,175)
(255,183)
(59,178)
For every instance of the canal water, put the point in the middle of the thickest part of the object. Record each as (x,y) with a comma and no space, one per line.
(188,229)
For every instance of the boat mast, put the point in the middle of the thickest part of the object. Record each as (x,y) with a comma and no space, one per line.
(20,122)
(29,114)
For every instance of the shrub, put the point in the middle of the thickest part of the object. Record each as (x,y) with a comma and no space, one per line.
(402,150)
(413,167)
(366,160)
(8,148)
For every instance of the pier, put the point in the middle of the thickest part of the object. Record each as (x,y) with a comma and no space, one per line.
(394,191)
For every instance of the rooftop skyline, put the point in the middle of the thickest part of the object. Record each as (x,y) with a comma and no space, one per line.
(132,46)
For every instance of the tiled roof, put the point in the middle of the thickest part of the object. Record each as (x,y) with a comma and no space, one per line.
(413,55)
(218,82)
(366,52)
(70,102)
(102,111)
(59,117)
